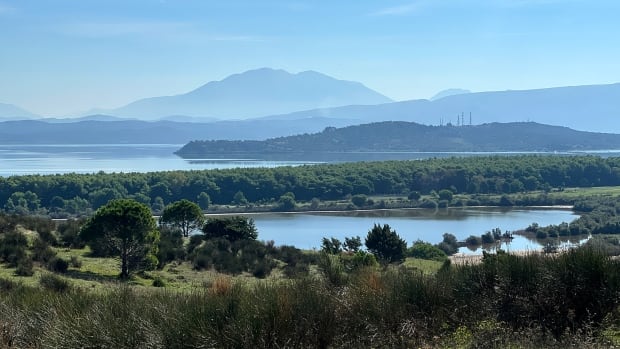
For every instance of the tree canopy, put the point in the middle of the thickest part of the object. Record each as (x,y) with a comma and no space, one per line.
(230,228)
(386,244)
(127,228)
(183,215)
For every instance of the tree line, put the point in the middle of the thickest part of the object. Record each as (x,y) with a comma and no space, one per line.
(81,194)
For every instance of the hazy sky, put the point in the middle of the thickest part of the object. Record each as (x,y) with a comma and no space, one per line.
(67,56)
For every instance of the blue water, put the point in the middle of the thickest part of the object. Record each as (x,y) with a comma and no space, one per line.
(305,230)
(91,158)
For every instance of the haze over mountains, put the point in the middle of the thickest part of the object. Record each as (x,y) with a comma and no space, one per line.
(268,95)
(254,93)
(13,112)
(588,108)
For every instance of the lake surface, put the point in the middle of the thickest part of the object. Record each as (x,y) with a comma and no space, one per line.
(305,230)
(91,158)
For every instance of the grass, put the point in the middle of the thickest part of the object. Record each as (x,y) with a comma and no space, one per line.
(427,267)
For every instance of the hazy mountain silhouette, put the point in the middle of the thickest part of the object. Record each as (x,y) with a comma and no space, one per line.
(449,92)
(400,136)
(13,112)
(255,93)
(591,108)
(106,130)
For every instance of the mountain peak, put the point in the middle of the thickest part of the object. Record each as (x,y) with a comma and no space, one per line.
(13,112)
(255,93)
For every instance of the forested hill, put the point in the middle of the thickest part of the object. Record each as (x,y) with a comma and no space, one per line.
(409,136)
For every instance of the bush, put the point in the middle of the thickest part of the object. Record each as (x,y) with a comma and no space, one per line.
(69,233)
(332,269)
(358,260)
(54,283)
(449,245)
(41,251)
(414,195)
(159,282)
(445,194)
(13,247)
(58,265)
(473,240)
(75,262)
(24,267)
(424,250)
(359,200)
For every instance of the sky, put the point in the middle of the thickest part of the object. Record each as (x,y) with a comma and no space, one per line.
(62,57)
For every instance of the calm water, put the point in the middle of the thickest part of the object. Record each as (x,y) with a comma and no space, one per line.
(305,230)
(302,230)
(80,158)
(90,158)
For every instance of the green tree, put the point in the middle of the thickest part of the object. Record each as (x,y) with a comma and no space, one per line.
(204,200)
(386,244)
(128,229)
(239,198)
(445,194)
(287,202)
(352,244)
(359,200)
(230,228)
(331,246)
(449,245)
(183,215)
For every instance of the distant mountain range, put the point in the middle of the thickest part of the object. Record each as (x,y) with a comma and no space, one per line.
(270,95)
(102,130)
(254,93)
(13,112)
(401,136)
(591,108)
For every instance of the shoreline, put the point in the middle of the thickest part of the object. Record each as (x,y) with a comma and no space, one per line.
(239,213)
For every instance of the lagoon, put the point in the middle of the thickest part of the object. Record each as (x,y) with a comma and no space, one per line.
(305,230)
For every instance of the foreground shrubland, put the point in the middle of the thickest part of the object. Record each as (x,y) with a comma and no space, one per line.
(531,301)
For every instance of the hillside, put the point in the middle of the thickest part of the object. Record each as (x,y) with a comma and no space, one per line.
(589,108)
(100,131)
(412,137)
(252,94)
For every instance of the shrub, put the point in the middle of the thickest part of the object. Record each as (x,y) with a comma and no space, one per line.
(414,195)
(69,233)
(13,247)
(473,240)
(54,283)
(41,251)
(449,245)
(58,265)
(75,262)
(159,282)
(445,194)
(359,200)
(24,267)
(332,269)
(358,260)
(424,250)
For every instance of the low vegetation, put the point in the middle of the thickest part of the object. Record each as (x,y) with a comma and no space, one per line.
(505,301)
(117,280)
